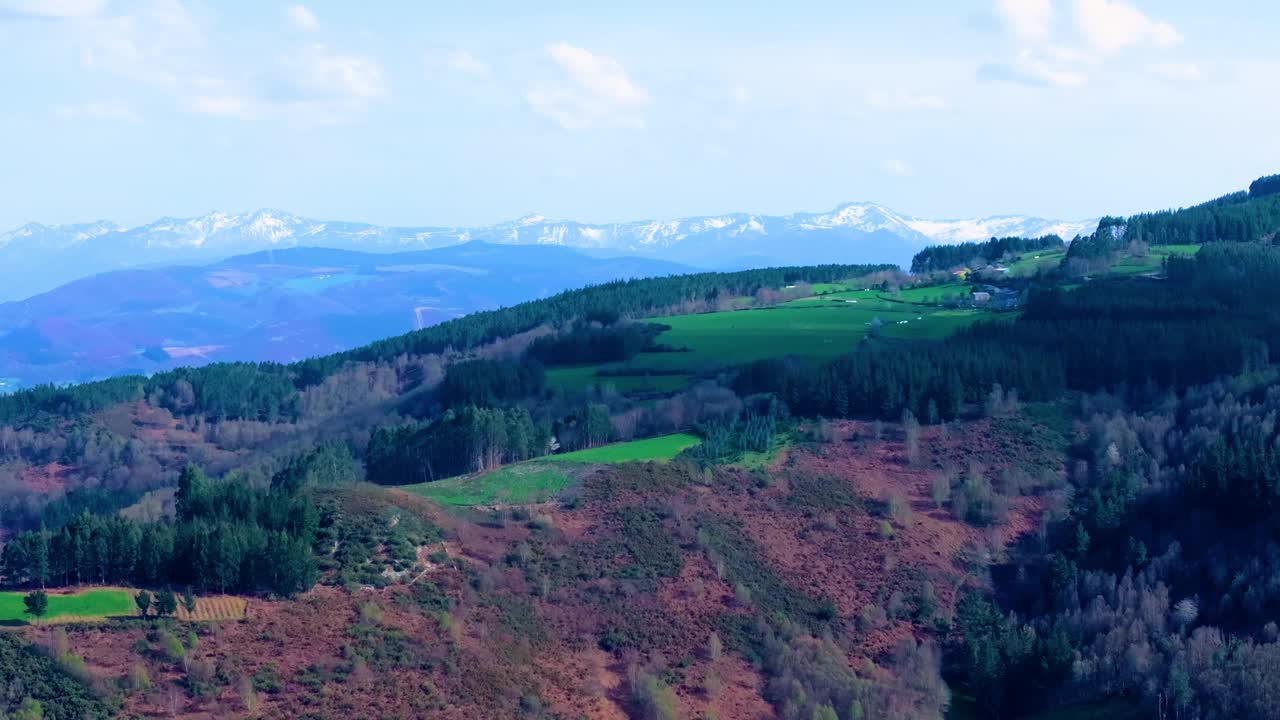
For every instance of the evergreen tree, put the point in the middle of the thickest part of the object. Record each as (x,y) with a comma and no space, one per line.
(143,601)
(37,604)
(166,603)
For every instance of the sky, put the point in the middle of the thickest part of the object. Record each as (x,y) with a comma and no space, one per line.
(476,112)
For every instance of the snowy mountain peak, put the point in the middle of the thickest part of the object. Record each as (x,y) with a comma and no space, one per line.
(40,257)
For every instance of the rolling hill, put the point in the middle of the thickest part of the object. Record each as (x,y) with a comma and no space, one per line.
(278,305)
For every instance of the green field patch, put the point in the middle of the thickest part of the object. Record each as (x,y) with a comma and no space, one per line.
(825,288)
(755,460)
(823,327)
(64,607)
(660,449)
(929,294)
(635,382)
(1034,262)
(541,480)
(521,484)
(1153,261)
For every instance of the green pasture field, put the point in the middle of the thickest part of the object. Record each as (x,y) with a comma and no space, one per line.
(821,327)
(660,449)
(929,294)
(583,376)
(1033,262)
(1154,260)
(521,484)
(540,480)
(87,605)
(825,288)
(830,327)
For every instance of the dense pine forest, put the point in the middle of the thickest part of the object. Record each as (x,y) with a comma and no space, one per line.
(1100,462)
(947,257)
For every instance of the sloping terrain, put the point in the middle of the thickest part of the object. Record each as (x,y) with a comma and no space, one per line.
(643,584)
(278,306)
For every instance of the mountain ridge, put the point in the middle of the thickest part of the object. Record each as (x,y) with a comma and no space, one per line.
(280,304)
(42,257)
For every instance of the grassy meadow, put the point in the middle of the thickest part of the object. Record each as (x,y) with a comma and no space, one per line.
(540,480)
(86,605)
(820,326)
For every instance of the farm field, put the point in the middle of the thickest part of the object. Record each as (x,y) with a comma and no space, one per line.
(1033,262)
(540,480)
(213,608)
(929,293)
(1153,261)
(86,605)
(521,484)
(583,376)
(660,449)
(824,326)
(815,327)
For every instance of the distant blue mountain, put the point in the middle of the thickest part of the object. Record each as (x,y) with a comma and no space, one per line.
(280,305)
(36,258)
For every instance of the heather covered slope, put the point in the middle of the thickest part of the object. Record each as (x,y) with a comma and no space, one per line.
(641,589)
(853,494)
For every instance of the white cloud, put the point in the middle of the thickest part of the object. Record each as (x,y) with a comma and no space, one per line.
(99,110)
(1029,69)
(898,167)
(1176,71)
(317,73)
(54,9)
(740,95)
(598,92)
(1063,55)
(903,100)
(1109,26)
(164,45)
(161,44)
(221,105)
(467,64)
(1030,20)
(302,18)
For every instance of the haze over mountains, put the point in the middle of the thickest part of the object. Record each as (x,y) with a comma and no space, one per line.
(37,258)
(278,305)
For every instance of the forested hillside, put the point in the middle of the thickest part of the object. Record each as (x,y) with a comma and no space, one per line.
(820,492)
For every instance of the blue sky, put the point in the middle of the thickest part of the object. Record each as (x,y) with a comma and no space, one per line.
(476,112)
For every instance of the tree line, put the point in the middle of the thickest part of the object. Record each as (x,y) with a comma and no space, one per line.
(1245,217)
(269,391)
(932,381)
(605,303)
(458,442)
(945,257)
(228,536)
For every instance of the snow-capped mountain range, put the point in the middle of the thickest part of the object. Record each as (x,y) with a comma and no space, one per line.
(36,258)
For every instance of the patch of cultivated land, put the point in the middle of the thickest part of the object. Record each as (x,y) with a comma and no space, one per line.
(642,383)
(658,449)
(822,326)
(540,480)
(70,606)
(520,484)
